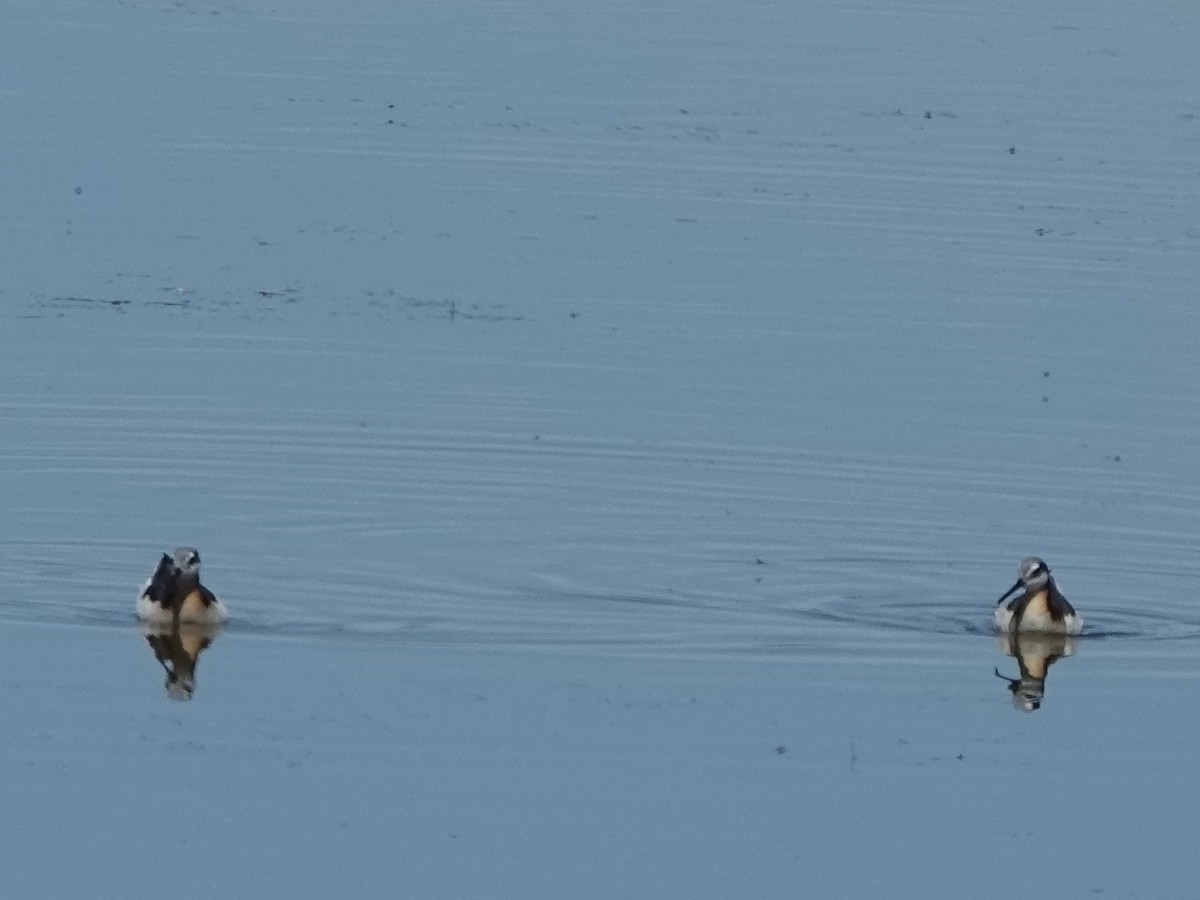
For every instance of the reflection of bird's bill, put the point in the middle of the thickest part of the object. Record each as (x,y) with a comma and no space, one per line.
(1027,692)
(1035,644)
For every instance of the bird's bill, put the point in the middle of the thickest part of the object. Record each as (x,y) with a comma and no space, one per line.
(1012,590)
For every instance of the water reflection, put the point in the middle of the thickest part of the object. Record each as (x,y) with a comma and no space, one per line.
(177,647)
(1035,653)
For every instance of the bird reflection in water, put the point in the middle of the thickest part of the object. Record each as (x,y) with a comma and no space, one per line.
(177,647)
(1035,653)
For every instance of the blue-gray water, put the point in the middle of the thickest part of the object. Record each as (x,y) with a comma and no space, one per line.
(610,427)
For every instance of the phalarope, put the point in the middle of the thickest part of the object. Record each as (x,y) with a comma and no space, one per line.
(1042,607)
(173,593)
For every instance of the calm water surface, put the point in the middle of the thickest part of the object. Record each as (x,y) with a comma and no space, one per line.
(611,428)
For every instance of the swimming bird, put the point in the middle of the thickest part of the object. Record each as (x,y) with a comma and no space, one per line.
(1042,607)
(173,593)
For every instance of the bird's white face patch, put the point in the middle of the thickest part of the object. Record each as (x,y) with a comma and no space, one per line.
(1033,572)
(187,561)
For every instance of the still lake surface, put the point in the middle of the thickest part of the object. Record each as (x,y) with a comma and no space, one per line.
(611,428)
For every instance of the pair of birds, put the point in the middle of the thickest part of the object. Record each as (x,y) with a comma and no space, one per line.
(174,594)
